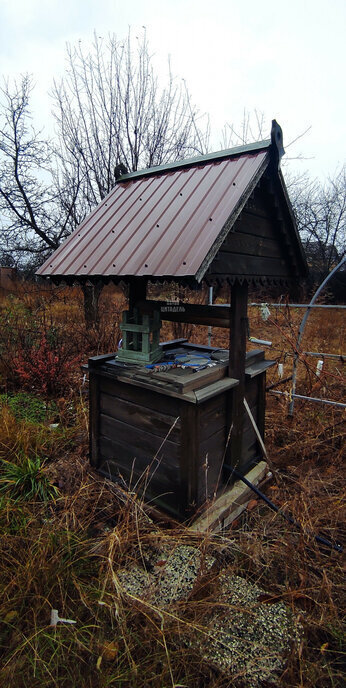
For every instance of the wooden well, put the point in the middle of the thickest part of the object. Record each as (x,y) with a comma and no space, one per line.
(223,218)
(166,436)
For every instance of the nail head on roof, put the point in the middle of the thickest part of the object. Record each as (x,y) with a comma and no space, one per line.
(145,265)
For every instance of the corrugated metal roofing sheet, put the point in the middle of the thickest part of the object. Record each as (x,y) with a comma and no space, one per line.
(163,224)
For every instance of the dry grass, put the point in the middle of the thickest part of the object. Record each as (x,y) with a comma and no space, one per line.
(65,553)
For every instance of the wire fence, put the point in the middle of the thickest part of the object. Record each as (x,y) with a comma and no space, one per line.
(298,354)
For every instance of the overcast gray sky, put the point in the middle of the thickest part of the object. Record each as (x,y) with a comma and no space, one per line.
(286,59)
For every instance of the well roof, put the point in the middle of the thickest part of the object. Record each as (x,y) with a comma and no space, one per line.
(167,222)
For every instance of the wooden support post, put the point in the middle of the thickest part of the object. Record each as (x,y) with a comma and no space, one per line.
(237,355)
(94,418)
(156,331)
(261,403)
(137,291)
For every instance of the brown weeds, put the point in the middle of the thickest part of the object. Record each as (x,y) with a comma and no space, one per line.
(66,553)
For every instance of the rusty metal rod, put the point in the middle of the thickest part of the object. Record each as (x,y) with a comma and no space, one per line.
(342,357)
(280,382)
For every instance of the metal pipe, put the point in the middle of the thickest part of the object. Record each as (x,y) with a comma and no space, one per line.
(342,357)
(301,331)
(318,538)
(298,305)
(301,396)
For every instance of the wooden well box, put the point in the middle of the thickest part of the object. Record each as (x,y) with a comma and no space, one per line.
(167,441)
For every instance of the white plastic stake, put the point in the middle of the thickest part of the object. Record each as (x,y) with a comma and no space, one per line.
(55,618)
(265,312)
(319,367)
(280,370)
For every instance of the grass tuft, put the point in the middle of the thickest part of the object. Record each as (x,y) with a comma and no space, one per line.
(26,480)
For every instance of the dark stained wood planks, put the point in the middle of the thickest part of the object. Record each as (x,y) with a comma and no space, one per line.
(137,438)
(213,414)
(252,224)
(245,244)
(154,400)
(141,417)
(210,468)
(258,246)
(253,265)
(145,480)
(168,449)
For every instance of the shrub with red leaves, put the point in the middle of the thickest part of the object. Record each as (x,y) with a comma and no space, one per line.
(45,368)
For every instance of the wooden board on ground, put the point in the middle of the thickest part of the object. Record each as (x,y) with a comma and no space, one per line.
(230,505)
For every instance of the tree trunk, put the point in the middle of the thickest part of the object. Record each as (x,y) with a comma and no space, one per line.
(91,294)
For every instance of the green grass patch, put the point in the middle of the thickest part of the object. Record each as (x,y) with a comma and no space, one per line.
(26,406)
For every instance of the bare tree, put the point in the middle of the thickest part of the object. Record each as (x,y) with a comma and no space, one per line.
(253,127)
(110,109)
(320,211)
(32,220)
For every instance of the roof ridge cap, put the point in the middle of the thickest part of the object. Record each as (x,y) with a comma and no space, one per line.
(197,160)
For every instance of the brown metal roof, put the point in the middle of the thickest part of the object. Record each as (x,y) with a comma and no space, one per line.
(162,223)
